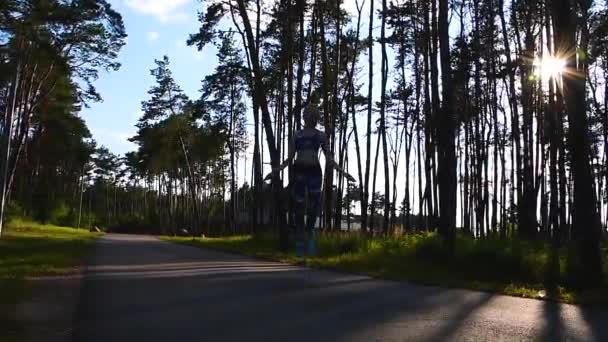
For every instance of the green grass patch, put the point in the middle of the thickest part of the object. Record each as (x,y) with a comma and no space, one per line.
(510,267)
(29,249)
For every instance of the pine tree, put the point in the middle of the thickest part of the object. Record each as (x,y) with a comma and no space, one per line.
(222,94)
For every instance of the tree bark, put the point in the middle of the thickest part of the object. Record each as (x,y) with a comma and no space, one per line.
(585,218)
(259,92)
(447,150)
(384,68)
(370,87)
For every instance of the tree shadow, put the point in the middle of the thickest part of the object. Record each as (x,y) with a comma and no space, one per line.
(554,325)
(595,317)
(126,297)
(250,300)
(552,311)
(458,318)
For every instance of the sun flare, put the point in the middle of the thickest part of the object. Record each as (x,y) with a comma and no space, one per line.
(549,66)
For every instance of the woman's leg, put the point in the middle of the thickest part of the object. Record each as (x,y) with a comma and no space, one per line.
(299,192)
(314,199)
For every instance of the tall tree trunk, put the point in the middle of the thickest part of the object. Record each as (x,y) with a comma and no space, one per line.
(370,87)
(328,119)
(288,66)
(494,109)
(300,9)
(605,134)
(384,72)
(554,139)
(428,118)
(351,85)
(5,151)
(527,205)
(447,148)
(585,218)
(259,92)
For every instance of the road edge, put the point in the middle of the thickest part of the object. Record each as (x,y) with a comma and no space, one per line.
(51,310)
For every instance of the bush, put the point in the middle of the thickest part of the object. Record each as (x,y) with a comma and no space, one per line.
(430,247)
(331,244)
(133,224)
(14,211)
(491,259)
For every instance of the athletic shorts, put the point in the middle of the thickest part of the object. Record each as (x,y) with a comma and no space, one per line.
(307,178)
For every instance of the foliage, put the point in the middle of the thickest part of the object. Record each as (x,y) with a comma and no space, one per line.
(33,249)
(51,52)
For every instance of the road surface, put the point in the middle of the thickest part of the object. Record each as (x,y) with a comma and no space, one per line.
(141,289)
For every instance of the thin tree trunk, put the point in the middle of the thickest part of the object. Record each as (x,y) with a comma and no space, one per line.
(373,201)
(447,152)
(370,86)
(5,152)
(351,85)
(384,72)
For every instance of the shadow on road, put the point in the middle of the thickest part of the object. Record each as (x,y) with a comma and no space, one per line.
(597,322)
(155,291)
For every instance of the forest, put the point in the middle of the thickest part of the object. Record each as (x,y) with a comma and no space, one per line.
(487,119)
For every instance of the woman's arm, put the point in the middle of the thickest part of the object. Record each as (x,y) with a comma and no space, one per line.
(329,158)
(290,155)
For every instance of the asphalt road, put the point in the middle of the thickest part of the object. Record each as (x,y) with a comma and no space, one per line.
(142,289)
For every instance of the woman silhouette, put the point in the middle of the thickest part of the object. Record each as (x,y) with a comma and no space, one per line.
(308,176)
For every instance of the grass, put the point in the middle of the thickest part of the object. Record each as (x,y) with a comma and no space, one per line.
(509,267)
(31,249)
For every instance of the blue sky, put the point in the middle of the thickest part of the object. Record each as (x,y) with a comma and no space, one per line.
(154,28)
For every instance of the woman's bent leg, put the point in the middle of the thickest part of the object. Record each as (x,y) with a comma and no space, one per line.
(314,199)
(299,191)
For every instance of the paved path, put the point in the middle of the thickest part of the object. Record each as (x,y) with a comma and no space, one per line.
(142,289)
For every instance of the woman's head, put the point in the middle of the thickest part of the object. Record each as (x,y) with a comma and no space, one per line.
(311,115)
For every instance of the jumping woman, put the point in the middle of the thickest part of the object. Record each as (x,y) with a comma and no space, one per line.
(308,177)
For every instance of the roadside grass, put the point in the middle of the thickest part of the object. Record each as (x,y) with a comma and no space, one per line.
(511,267)
(29,249)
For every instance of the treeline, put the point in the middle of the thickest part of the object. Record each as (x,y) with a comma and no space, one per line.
(50,54)
(487,115)
(53,171)
(494,114)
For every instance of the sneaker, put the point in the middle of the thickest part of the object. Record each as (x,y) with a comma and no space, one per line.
(312,244)
(299,249)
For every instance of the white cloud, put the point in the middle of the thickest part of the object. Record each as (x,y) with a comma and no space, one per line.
(153,36)
(164,10)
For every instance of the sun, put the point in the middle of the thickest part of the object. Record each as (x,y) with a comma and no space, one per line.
(549,67)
